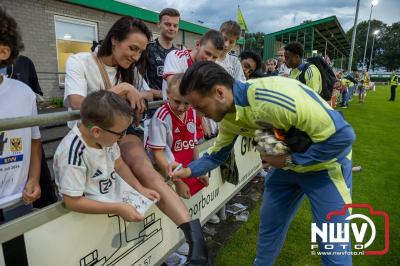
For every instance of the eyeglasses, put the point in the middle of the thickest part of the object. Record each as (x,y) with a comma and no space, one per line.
(120,134)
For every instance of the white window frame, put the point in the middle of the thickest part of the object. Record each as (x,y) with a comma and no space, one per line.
(73,21)
(76,21)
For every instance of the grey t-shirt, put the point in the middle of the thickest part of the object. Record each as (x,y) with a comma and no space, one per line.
(232,65)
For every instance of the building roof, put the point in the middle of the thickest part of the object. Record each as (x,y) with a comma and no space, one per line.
(137,12)
(326,29)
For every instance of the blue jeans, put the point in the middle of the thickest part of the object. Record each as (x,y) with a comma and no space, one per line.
(345,97)
(351,91)
(284,192)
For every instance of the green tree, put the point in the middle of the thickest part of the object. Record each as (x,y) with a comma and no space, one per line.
(255,42)
(389,53)
(360,41)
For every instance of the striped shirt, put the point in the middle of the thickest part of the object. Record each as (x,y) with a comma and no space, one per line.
(82,170)
(164,126)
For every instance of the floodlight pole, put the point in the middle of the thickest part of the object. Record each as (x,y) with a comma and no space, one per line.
(372,51)
(353,37)
(366,39)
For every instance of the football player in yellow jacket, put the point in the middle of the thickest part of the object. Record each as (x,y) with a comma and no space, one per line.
(322,171)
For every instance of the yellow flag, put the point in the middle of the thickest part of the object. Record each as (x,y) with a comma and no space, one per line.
(241,21)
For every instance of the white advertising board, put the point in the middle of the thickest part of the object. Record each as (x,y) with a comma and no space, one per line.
(83,240)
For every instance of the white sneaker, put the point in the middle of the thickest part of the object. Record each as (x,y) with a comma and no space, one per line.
(183,249)
(214,219)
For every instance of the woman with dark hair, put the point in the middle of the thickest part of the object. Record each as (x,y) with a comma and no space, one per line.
(119,57)
(118,66)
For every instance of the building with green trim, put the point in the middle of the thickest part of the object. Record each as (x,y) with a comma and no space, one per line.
(52,30)
(150,16)
(322,37)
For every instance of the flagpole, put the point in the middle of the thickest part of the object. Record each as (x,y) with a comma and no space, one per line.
(241,22)
(244,34)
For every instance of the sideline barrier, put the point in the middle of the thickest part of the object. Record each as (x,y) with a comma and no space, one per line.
(51,118)
(56,236)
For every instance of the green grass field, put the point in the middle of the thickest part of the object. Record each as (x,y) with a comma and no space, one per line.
(377,126)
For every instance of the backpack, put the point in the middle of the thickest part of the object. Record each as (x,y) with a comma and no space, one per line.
(327,75)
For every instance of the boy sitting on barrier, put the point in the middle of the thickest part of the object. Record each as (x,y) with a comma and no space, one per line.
(88,166)
(172,137)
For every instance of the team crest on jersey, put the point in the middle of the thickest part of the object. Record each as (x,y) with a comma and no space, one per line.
(16,144)
(191,127)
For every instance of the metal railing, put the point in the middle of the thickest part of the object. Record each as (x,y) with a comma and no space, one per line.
(51,118)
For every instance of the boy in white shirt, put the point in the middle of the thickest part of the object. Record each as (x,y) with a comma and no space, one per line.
(231,32)
(20,149)
(88,166)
